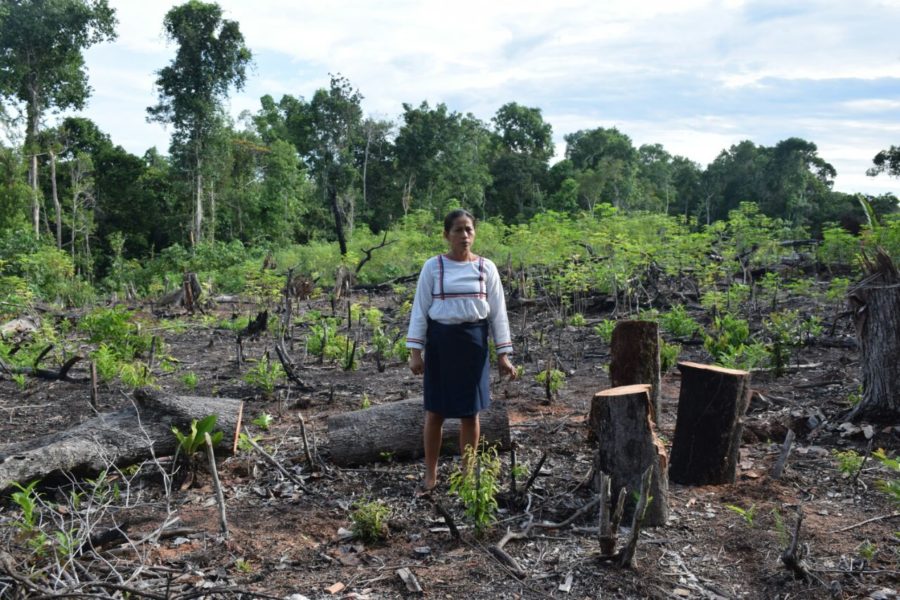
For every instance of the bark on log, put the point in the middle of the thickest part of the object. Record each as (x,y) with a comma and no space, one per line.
(621,422)
(120,438)
(362,436)
(635,358)
(876,314)
(711,407)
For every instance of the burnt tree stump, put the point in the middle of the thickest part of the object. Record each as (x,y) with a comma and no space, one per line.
(364,436)
(708,427)
(621,423)
(635,358)
(876,313)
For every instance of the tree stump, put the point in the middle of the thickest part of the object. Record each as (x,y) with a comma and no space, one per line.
(876,313)
(711,406)
(627,443)
(365,436)
(635,358)
(120,438)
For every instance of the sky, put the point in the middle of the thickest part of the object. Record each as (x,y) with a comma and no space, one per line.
(696,76)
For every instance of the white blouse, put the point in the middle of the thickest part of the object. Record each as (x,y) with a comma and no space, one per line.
(452,292)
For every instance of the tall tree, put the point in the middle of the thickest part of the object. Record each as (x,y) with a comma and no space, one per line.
(610,162)
(211,59)
(886,161)
(519,168)
(441,156)
(42,66)
(337,128)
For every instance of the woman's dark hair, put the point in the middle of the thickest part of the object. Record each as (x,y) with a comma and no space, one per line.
(454,215)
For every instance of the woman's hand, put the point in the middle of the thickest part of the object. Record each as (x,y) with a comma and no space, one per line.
(416,363)
(506,367)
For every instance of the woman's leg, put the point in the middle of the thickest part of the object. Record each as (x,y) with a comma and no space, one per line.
(432,436)
(469,432)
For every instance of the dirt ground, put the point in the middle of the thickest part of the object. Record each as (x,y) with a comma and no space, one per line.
(284,542)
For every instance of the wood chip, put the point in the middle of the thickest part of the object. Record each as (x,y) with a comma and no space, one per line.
(336,588)
(412,584)
(566,586)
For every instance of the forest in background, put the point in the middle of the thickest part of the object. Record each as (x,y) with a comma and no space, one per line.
(301,175)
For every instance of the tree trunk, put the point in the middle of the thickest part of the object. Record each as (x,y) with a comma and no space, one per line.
(395,429)
(635,359)
(198,204)
(121,438)
(338,220)
(56,205)
(620,422)
(876,308)
(711,406)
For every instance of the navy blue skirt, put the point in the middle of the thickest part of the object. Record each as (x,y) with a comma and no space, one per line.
(457,369)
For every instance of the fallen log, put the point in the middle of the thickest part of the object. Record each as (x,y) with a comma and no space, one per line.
(365,436)
(124,437)
(711,407)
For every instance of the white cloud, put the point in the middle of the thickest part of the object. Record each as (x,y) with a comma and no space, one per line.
(694,75)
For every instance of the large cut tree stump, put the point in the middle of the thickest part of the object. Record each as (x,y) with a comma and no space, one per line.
(635,358)
(364,436)
(621,423)
(876,313)
(120,438)
(711,407)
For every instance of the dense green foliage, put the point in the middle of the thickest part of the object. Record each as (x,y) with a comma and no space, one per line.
(298,175)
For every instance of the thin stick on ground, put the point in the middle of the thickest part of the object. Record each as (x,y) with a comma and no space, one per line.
(220,497)
(274,462)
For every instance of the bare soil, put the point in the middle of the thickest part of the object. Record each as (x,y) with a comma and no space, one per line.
(284,542)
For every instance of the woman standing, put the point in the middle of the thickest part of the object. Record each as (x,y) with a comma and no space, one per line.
(458,295)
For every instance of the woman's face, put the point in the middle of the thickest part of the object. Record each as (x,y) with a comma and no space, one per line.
(461,236)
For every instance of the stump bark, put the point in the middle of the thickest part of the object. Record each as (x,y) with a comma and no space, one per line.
(635,358)
(363,436)
(120,438)
(708,427)
(620,421)
(876,310)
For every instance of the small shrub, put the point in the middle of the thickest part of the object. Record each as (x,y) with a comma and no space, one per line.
(577,320)
(891,487)
(263,421)
(678,322)
(668,355)
(605,329)
(265,375)
(748,514)
(189,380)
(848,461)
(370,520)
(476,484)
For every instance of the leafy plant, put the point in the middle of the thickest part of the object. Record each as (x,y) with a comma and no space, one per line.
(370,520)
(552,380)
(26,499)
(243,565)
(265,375)
(748,514)
(263,421)
(890,487)
(189,380)
(867,550)
(677,322)
(476,482)
(668,355)
(728,333)
(20,380)
(244,444)
(848,461)
(365,402)
(189,443)
(577,320)
(135,374)
(605,329)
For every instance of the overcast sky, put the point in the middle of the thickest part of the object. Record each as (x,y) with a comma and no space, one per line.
(696,76)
